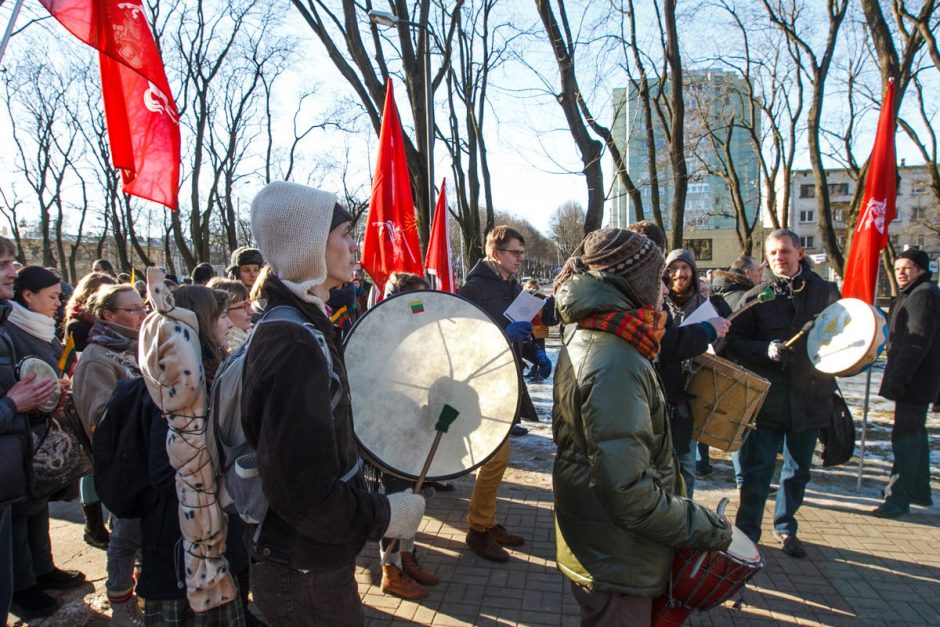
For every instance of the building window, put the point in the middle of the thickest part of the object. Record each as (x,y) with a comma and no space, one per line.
(701,248)
(807,216)
(807,191)
(918,213)
(838,216)
(918,187)
(839,189)
(808,241)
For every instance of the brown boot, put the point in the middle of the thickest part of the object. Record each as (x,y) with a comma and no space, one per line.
(399,584)
(503,537)
(416,571)
(483,544)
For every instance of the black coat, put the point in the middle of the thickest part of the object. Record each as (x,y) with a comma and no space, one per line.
(912,373)
(489,291)
(800,397)
(315,521)
(728,288)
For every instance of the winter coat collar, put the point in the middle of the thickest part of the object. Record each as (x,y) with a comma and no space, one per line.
(924,278)
(591,293)
(730,281)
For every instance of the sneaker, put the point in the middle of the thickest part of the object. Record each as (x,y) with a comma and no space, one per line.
(33,603)
(127,613)
(503,537)
(416,571)
(483,544)
(890,509)
(58,579)
(518,431)
(399,584)
(792,545)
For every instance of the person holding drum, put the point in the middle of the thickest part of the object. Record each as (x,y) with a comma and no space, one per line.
(910,380)
(31,329)
(618,510)
(799,401)
(297,415)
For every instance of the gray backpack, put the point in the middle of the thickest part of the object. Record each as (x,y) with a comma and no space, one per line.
(233,458)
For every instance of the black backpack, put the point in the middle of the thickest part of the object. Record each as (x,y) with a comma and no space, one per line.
(120,444)
(837,440)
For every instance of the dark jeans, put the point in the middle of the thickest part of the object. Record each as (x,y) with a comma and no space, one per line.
(6,562)
(32,549)
(910,473)
(609,609)
(758,459)
(289,597)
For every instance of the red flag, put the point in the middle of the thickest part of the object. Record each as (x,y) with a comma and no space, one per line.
(437,261)
(143,123)
(878,209)
(391,236)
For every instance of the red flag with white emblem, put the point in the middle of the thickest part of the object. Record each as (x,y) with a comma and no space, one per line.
(143,122)
(878,209)
(438,259)
(391,235)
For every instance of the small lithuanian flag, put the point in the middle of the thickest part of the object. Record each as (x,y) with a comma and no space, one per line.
(67,360)
(417,306)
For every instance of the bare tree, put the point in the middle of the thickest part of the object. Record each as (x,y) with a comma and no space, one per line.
(11,204)
(787,15)
(565,227)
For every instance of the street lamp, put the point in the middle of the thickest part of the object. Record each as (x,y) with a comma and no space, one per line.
(383,18)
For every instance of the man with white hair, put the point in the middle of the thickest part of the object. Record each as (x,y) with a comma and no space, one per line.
(297,413)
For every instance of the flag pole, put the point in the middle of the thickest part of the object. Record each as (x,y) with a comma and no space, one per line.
(9,31)
(861,449)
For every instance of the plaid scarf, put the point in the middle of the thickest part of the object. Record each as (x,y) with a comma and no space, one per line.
(643,327)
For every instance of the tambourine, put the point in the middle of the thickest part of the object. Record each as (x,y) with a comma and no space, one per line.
(42,370)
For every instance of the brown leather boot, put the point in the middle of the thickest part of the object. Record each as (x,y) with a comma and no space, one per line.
(503,537)
(399,584)
(416,571)
(483,544)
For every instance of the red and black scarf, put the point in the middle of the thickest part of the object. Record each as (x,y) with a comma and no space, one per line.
(643,327)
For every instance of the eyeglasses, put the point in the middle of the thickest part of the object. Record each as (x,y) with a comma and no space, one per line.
(140,311)
(246,306)
(518,254)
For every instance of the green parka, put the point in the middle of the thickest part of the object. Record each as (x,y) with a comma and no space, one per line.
(617,514)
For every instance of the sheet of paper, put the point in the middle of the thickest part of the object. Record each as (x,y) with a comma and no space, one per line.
(705,311)
(524,307)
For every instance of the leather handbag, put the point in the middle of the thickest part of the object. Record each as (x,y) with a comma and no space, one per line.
(61,452)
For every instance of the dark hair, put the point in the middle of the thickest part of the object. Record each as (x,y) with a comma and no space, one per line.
(202,273)
(105,297)
(124,277)
(744,261)
(406,282)
(103,265)
(785,233)
(500,236)
(652,231)
(32,279)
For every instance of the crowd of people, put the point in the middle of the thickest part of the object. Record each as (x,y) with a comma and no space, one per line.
(624,474)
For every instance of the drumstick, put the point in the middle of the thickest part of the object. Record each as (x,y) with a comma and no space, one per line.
(722,504)
(764,296)
(447,417)
(796,338)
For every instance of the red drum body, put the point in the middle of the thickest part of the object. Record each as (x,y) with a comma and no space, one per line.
(703,580)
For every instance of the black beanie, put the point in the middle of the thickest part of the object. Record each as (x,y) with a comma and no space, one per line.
(917,256)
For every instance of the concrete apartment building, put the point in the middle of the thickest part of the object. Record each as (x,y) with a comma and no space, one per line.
(917,212)
(711,97)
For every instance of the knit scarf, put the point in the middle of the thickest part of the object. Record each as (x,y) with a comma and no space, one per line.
(36,324)
(108,334)
(643,327)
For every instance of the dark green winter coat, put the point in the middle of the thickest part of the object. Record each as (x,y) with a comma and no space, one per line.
(616,479)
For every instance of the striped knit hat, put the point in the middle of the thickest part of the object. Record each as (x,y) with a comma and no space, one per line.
(616,251)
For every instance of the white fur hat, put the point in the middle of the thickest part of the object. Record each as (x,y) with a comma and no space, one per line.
(291,224)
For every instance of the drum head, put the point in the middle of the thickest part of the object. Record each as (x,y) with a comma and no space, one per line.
(742,548)
(844,336)
(42,370)
(409,356)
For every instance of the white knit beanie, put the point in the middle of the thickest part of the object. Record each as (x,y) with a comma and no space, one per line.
(291,224)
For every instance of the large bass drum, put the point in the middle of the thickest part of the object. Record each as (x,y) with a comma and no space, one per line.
(848,336)
(409,356)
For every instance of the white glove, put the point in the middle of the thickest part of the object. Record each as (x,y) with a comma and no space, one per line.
(777,350)
(407,512)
